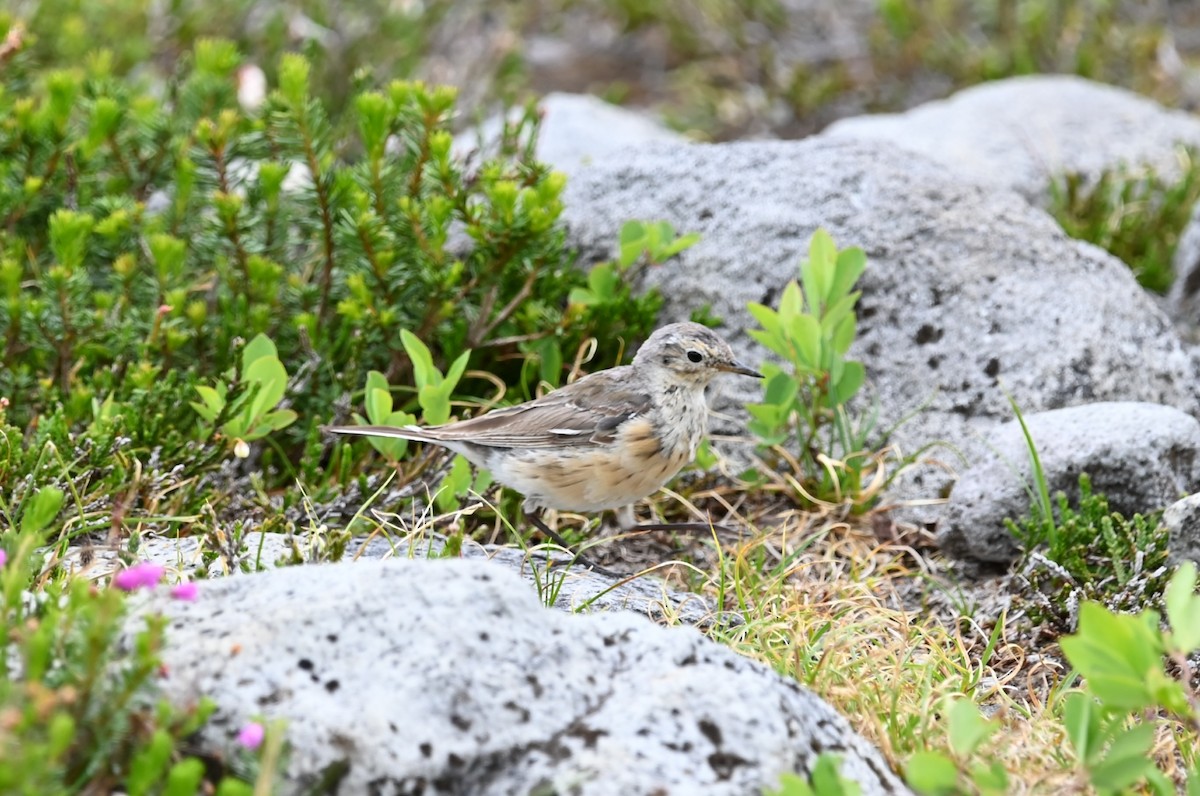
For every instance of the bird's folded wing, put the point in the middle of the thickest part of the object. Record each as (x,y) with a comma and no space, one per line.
(587,412)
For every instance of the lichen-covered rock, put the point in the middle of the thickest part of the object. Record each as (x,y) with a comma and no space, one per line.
(408,677)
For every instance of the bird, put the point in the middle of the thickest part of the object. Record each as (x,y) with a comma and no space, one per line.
(602,442)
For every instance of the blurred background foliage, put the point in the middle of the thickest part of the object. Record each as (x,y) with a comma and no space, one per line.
(714,68)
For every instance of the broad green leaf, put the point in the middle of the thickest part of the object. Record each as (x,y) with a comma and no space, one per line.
(767,318)
(1183,609)
(781,389)
(679,244)
(931,773)
(991,780)
(603,281)
(214,402)
(850,381)
(968,729)
(41,509)
(827,779)
(1127,759)
(817,272)
(455,371)
(378,404)
(184,778)
(581,295)
(843,335)
(837,310)
(423,370)
(631,243)
(791,303)
(1082,722)
(268,373)
(261,346)
(805,334)
(280,418)
(851,262)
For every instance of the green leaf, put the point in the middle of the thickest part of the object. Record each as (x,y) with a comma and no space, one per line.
(817,272)
(1183,609)
(805,334)
(631,243)
(269,375)
(148,765)
(968,729)
(1082,722)
(423,369)
(1127,759)
(378,404)
(843,335)
(455,371)
(931,773)
(791,302)
(851,262)
(184,778)
(679,244)
(781,390)
(767,318)
(603,281)
(837,311)
(850,380)
(41,509)
(258,348)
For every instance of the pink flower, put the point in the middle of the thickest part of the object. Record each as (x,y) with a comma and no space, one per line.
(140,576)
(251,735)
(186,592)
(3,558)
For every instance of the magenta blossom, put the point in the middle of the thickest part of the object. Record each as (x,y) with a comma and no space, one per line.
(3,558)
(140,576)
(251,735)
(186,592)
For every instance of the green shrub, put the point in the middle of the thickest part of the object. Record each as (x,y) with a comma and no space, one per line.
(144,239)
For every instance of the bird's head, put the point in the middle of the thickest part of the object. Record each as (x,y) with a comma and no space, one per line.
(689,353)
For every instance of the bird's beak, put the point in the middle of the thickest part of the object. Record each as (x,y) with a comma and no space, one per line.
(739,368)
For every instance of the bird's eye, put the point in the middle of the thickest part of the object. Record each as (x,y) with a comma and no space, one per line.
(695,356)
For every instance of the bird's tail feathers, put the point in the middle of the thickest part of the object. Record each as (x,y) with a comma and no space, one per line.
(415,433)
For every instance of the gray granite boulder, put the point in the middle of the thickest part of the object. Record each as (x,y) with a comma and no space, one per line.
(1020,132)
(573,587)
(1141,456)
(968,292)
(450,677)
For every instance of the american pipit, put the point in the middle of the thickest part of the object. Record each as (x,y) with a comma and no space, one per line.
(609,439)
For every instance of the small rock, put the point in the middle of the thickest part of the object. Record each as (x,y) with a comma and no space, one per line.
(1140,456)
(450,676)
(1021,132)
(1182,520)
(578,129)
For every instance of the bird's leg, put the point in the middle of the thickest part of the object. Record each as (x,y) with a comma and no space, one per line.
(627,521)
(533,517)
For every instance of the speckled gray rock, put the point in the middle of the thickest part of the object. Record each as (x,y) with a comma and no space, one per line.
(1182,521)
(575,588)
(1141,456)
(450,677)
(1021,132)
(1183,300)
(968,291)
